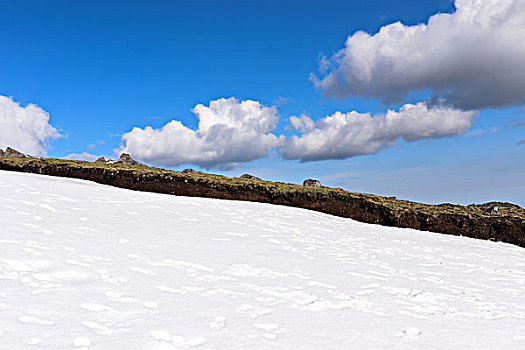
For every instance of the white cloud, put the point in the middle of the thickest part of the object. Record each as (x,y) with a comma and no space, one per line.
(303,123)
(482,132)
(279,101)
(26,129)
(471,59)
(229,132)
(82,156)
(344,135)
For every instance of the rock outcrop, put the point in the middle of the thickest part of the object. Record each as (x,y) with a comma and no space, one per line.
(1,152)
(312,183)
(495,211)
(11,152)
(249,177)
(125,158)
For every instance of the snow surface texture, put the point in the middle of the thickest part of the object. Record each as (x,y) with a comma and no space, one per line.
(88,266)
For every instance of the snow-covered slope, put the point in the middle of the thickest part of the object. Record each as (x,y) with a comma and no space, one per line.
(90,266)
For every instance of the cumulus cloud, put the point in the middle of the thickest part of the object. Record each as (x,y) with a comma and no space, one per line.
(26,129)
(82,156)
(344,135)
(470,59)
(303,123)
(229,132)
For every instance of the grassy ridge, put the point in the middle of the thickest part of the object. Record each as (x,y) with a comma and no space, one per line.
(472,220)
(478,210)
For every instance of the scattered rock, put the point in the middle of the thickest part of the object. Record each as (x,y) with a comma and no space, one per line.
(10,152)
(495,211)
(312,183)
(192,171)
(249,177)
(125,158)
(496,208)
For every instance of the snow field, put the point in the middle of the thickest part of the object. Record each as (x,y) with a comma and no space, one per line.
(86,266)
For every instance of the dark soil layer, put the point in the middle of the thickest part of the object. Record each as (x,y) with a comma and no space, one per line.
(472,221)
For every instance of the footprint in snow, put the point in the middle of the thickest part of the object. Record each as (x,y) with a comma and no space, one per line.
(169,289)
(76,262)
(143,271)
(93,307)
(254,312)
(105,276)
(94,258)
(34,320)
(33,341)
(82,342)
(177,340)
(98,328)
(219,324)
(31,251)
(409,333)
(116,296)
(69,250)
(150,305)
(271,329)
(138,258)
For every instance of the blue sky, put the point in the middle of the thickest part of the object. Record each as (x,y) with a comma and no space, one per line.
(101,68)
